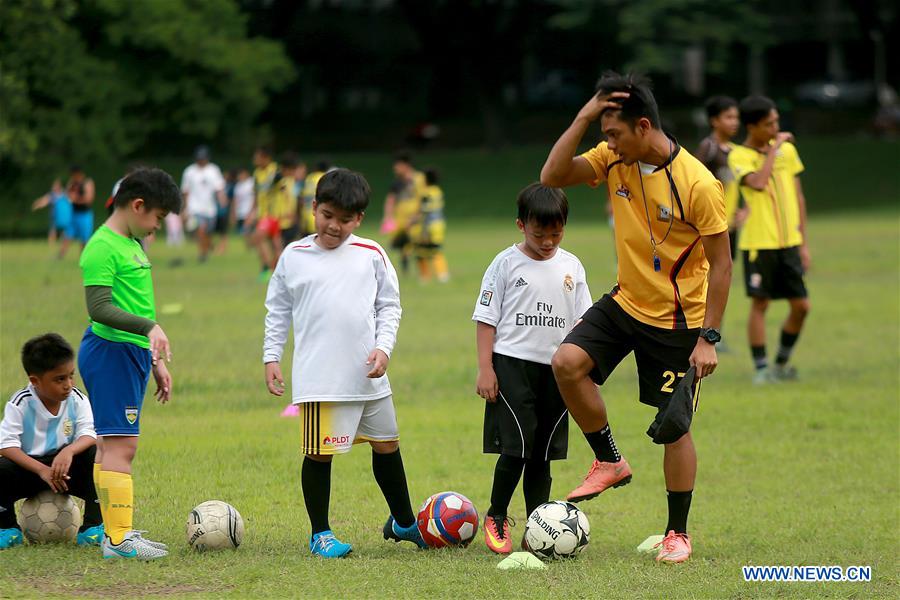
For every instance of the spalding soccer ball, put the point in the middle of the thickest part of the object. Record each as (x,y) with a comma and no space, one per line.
(214,525)
(50,517)
(557,530)
(447,519)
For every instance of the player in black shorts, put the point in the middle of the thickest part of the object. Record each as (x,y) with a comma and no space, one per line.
(531,295)
(674,270)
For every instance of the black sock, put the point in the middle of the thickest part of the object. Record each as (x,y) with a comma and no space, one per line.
(679,506)
(92,516)
(787,346)
(315,478)
(603,445)
(759,357)
(536,484)
(388,471)
(506,478)
(8,517)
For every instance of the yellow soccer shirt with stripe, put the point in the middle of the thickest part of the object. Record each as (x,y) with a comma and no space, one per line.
(263,185)
(284,201)
(773,220)
(409,194)
(684,201)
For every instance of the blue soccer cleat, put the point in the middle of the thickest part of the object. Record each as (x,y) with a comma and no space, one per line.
(393,531)
(324,544)
(92,536)
(10,537)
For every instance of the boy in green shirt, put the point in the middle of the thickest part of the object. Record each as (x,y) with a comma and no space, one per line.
(122,346)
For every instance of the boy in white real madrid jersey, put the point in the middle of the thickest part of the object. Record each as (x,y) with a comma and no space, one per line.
(341,292)
(531,296)
(47,439)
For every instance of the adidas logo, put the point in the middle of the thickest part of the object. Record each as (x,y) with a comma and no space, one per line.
(521,282)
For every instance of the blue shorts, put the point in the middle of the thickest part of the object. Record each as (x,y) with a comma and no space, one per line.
(82,225)
(115,375)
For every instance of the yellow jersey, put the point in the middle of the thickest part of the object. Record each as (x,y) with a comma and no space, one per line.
(430,226)
(309,194)
(408,193)
(679,202)
(284,201)
(263,182)
(773,220)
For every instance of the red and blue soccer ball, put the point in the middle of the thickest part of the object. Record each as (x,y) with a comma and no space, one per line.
(447,519)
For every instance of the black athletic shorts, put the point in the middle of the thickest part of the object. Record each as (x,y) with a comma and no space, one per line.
(401,240)
(774,274)
(608,334)
(529,417)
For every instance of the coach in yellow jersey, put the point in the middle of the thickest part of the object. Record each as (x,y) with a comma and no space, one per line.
(773,242)
(674,269)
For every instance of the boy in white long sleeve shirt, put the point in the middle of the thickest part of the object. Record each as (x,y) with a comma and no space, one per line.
(342,296)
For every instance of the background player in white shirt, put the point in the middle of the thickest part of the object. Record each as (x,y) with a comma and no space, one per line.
(532,295)
(47,439)
(203,187)
(343,295)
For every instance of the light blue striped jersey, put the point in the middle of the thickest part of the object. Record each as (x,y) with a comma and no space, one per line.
(27,424)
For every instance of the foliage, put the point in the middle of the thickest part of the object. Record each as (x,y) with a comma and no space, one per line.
(92,80)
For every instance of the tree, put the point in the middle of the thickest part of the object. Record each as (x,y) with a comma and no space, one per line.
(95,80)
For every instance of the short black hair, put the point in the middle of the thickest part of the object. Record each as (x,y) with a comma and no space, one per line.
(432,176)
(344,189)
(154,186)
(640,102)
(264,149)
(404,156)
(716,105)
(45,353)
(290,159)
(754,109)
(323,164)
(543,204)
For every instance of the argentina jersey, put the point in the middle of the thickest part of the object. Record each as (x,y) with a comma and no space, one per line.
(29,426)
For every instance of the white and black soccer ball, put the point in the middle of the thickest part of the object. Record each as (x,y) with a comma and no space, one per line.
(214,525)
(557,530)
(50,517)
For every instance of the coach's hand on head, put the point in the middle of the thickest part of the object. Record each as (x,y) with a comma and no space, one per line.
(600,102)
(159,344)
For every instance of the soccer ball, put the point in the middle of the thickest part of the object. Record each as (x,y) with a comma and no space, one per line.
(557,530)
(50,517)
(447,519)
(214,525)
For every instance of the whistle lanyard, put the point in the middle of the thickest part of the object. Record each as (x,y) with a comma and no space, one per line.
(657,265)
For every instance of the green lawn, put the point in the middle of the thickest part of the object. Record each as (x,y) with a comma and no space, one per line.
(795,474)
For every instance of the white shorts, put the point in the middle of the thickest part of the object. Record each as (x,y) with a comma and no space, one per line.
(333,427)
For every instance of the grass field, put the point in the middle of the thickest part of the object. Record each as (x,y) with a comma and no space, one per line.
(795,474)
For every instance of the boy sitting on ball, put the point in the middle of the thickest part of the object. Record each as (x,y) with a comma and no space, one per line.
(47,439)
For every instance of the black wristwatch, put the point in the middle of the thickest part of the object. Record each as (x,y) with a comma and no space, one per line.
(711,335)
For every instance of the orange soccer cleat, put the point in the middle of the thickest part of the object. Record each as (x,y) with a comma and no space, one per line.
(603,475)
(675,548)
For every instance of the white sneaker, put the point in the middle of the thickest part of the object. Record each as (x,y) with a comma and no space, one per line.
(138,534)
(132,546)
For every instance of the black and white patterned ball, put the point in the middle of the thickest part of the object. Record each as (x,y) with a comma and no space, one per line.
(557,530)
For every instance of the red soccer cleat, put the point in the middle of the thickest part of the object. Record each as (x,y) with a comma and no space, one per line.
(676,548)
(603,475)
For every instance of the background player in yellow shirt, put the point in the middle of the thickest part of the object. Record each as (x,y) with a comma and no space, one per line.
(767,167)
(266,236)
(428,230)
(402,205)
(674,270)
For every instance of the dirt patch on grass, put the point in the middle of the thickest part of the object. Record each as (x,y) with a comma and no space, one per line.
(72,587)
